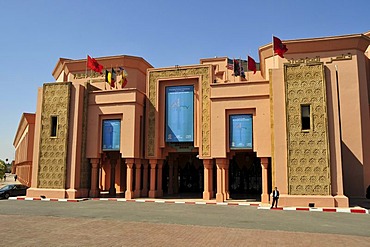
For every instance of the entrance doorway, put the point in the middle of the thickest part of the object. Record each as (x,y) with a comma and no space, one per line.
(245,176)
(188,180)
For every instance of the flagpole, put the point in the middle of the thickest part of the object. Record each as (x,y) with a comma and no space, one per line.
(240,68)
(86,67)
(247,67)
(234,67)
(273,51)
(227,69)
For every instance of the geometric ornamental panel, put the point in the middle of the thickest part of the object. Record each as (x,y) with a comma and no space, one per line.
(308,149)
(53,150)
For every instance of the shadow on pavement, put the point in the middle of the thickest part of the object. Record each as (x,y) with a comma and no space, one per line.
(359,202)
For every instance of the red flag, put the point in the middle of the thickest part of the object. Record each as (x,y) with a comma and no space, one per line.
(94,65)
(252,65)
(279,47)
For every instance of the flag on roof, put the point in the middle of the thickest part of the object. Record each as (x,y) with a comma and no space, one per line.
(252,65)
(278,47)
(94,65)
(230,64)
(236,68)
(113,78)
(242,74)
(124,75)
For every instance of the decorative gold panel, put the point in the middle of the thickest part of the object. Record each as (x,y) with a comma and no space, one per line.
(308,151)
(53,150)
(179,72)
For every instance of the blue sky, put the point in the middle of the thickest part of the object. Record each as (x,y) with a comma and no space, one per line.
(35,34)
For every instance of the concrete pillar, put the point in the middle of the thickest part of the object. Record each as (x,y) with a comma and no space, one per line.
(227,194)
(145,164)
(138,177)
(153,164)
(94,191)
(123,174)
(159,192)
(264,195)
(208,183)
(130,176)
(170,175)
(220,195)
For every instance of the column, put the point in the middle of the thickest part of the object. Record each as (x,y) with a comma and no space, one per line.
(112,189)
(129,178)
(153,164)
(220,195)
(264,195)
(208,183)
(123,175)
(227,194)
(138,177)
(145,164)
(170,175)
(94,191)
(159,179)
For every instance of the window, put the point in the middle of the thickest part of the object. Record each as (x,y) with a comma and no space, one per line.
(54,126)
(306,117)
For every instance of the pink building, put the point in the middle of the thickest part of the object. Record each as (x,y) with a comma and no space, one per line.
(211,130)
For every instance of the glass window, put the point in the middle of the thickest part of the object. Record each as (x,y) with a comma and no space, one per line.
(54,126)
(306,117)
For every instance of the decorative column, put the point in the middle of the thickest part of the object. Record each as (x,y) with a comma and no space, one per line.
(264,195)
(112,189)
(153,164)
(145,164)
(138,177)
(170,176)
(227,194)
(129,178)
(208,183)
(123,175)
(94,191)
(220,195)
(159,179)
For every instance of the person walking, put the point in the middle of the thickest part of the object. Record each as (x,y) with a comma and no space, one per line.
(275,197)
(15,177)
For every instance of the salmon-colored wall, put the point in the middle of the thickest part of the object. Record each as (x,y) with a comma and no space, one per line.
(23,143)
(75,141)
(128,106)
(240,98)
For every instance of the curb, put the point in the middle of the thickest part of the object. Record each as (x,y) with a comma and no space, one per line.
(331,210)
(257,205)
(45,199)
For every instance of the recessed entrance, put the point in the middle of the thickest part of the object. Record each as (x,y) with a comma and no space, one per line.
(187,176)
(245,176)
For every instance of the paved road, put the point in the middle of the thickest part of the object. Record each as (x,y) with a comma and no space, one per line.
(106,223)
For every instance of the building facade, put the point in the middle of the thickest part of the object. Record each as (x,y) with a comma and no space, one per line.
(300,123)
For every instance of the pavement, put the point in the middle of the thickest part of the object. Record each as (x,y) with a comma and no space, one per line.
(9,180)
(110,223)
(175,222)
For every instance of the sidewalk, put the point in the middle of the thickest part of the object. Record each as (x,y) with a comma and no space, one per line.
(9,180)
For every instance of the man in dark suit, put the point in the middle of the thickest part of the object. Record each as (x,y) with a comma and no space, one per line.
(275,197)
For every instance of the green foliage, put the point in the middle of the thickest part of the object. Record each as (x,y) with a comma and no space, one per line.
(2,168)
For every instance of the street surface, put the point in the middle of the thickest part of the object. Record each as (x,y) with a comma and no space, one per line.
(112,223)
